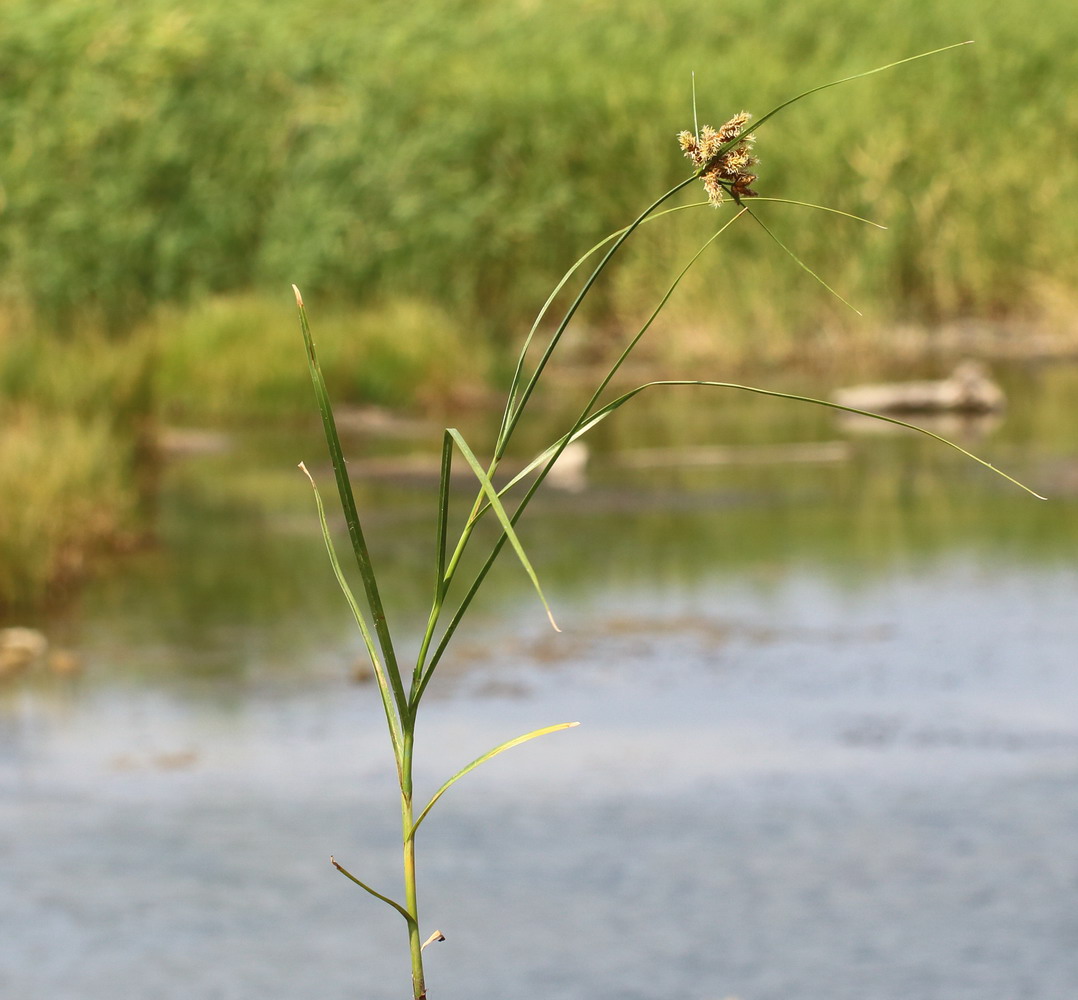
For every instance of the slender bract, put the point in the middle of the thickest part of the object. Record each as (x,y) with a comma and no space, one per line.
(722,158)
(508,745)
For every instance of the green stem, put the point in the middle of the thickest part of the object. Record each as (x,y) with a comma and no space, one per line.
(513,415)
(424,670)
(445,574)
(510,420)
(419,989)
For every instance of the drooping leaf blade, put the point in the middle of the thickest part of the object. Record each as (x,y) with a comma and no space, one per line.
(819,208)
(499,511)
(801,264)
(377,895)
(615,404)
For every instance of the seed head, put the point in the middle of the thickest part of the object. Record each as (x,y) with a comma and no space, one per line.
(723,171)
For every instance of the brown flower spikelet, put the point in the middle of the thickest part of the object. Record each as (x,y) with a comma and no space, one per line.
(726,172)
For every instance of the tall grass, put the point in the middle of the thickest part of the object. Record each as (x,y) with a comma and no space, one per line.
(154,153)
(405,354)
(73,433)
(722,160)
(67,496)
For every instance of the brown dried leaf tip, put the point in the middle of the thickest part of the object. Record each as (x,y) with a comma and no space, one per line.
(723,171)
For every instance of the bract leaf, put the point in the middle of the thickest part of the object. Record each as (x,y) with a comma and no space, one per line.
(482,760)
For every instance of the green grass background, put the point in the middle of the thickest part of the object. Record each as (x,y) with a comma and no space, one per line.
(465,153)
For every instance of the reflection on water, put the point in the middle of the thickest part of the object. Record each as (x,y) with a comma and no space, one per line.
(829,741)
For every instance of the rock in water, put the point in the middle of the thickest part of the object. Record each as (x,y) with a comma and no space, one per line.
(969,389)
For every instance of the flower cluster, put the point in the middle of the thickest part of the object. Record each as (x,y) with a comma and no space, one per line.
(728,171)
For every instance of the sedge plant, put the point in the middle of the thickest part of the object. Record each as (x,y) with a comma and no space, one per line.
(722,160)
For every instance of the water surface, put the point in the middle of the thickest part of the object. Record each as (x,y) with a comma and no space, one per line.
(829,740)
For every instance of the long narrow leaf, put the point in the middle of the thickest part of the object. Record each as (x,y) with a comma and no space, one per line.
(800,263)
(425,668)
(355,530)
(482,760)
(623,399)
(546,457)
(440,584)
(752,127)
(518,372)
(601,414)
(377,895)
(818,208)
(513,409)
(361,621)
(444,485)
(499,511)
(849,79)
(550,456)
(514,417)
(603,242)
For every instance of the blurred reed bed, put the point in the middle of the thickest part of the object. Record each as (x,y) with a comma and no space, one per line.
(230,357)
(73,439)
(80,414)
(66,498)
(160,153)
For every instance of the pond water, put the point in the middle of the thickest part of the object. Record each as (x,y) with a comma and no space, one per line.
(828,690)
